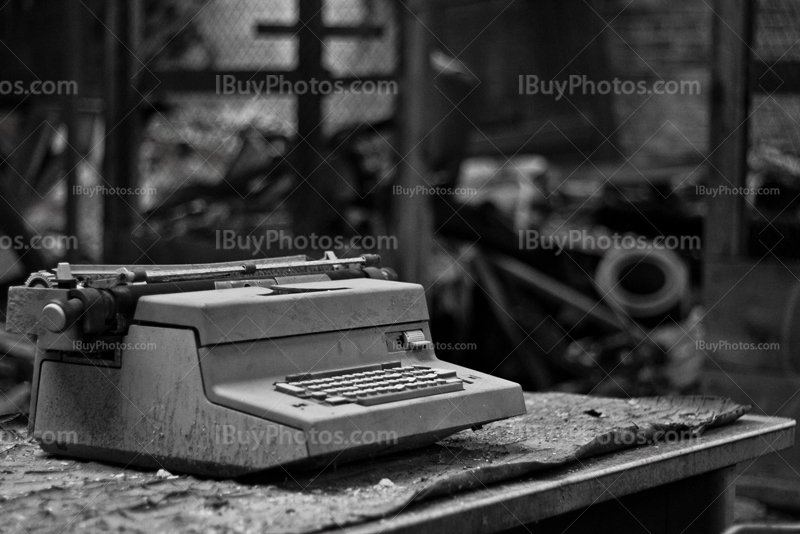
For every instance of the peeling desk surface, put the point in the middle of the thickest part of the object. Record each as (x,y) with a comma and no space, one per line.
(44,493)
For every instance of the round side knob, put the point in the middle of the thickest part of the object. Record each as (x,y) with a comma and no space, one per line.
(58,316)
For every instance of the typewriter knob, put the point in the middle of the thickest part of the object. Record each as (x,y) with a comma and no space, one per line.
(415,340)
(60,315)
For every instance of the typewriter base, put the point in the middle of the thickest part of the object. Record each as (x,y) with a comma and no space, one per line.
(152,411)
(149,412)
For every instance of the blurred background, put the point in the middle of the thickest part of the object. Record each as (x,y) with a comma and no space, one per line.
(179,131)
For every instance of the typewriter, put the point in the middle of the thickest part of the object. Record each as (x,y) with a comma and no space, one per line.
(232,368)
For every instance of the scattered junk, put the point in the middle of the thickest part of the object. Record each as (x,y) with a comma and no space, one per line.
(644,284)
(256,194)
(549,273)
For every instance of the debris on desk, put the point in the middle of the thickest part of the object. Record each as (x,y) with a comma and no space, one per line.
(163,473)
(89,496)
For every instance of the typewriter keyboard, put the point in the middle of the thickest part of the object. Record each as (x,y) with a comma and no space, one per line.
(372,384)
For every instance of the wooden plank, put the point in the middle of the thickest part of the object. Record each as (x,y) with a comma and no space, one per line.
(412,218)
(121,120)
(733,31)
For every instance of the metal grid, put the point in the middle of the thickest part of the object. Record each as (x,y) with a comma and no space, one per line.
(195,136)
(775,119)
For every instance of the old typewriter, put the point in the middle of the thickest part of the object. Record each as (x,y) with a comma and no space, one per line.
(231,368)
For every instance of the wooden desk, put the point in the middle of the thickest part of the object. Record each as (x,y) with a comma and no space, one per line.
(682,487)
(650,488)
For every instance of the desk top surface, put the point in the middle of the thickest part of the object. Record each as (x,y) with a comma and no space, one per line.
(591,481)
(555,459)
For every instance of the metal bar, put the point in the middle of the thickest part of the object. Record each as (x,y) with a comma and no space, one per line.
(72,118)
(489,283)
(92,270)
(265,29)
(155,275)
(174,273)
(552,288)
(725,228)
(310,139)
(121,120)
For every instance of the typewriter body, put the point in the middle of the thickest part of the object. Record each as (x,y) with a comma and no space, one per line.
(227,369)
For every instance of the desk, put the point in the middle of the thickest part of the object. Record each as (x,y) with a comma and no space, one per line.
(650,488)
(678,487)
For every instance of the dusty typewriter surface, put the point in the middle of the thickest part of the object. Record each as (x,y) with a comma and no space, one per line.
(335,355)
(339,354)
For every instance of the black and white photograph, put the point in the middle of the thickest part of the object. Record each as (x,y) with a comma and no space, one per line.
(399,266)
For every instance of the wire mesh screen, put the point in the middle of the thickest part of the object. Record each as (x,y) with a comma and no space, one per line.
(774,130)
(358,58)
(230,75)
(775,119)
